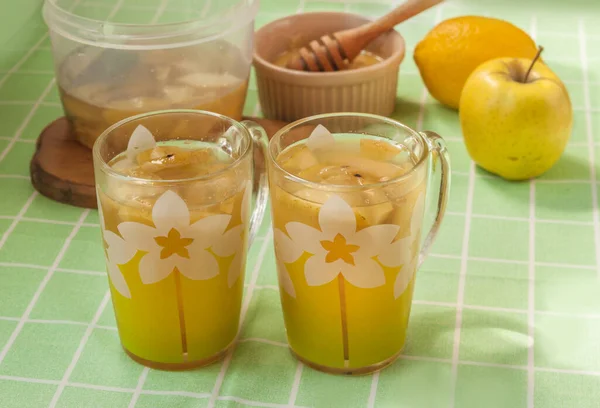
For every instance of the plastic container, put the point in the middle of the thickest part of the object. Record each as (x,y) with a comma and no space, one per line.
(123,59)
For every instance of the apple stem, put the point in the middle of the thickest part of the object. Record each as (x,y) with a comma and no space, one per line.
(537,57)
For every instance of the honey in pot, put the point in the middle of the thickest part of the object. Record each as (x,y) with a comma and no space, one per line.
(364,59)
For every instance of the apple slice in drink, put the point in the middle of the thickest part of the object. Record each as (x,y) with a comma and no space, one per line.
(377,208)
(297,159)
(379,150)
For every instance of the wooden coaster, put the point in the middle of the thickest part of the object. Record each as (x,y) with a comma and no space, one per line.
(62,168)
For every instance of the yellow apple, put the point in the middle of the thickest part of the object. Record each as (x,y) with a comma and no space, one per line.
(516,117)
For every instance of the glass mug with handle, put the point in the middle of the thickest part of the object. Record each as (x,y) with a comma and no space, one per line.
(174,195)
(348,195)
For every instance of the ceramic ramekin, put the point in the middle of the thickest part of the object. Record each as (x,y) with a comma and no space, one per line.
(290,95)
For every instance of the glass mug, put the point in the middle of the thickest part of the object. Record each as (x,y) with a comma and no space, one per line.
(174,204)
(347,253)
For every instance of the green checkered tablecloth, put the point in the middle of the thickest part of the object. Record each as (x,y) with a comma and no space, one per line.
(507,307)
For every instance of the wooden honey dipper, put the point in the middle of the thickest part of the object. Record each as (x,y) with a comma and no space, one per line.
(334,52)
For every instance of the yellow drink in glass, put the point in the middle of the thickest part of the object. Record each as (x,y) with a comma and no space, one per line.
(347,216)
(175,223)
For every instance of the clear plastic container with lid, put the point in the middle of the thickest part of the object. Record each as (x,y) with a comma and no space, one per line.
(124,57)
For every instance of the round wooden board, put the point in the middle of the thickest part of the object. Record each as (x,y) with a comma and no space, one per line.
(62,169)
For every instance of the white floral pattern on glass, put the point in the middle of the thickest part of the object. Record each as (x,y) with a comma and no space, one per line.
(117,252)
(174,242)
(141,139)
(233,242)
(338,248)
(405,251)
(285,252)
(320,138)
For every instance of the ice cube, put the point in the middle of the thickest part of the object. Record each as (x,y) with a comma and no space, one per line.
(123,166)
(405,205)
(312,196)
(134,196)
(376,209)
(377,170)
(203,156)
(214,190)
(306,204)
(297,159)
(195,194)
(136,211)
(338,175)
(404,160)
(379,149)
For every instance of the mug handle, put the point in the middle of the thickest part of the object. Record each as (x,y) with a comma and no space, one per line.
(260,142)
(438,151)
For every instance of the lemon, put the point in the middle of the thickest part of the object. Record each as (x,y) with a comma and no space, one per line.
(452,50)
